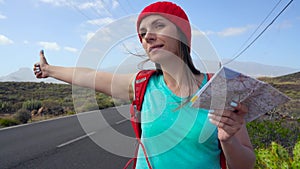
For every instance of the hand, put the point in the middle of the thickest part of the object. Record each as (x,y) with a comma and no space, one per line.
(39,68)
(228,122)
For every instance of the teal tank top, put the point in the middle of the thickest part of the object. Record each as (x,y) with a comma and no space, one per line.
(175,137)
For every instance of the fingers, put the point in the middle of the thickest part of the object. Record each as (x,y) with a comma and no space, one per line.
(239,107)
(37,67)
(229,122)
(223,118)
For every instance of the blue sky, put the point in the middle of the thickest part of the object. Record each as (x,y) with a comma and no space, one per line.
(62,28)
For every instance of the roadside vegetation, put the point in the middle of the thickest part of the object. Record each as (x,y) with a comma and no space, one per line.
(23,102)
(275,136)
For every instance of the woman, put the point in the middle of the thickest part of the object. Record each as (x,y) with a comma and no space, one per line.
(171,127)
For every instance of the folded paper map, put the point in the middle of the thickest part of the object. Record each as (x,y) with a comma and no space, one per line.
(228,85)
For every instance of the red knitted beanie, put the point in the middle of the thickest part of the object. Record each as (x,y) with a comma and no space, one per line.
(172,12)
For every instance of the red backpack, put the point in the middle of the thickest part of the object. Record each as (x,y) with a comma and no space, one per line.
(140,85)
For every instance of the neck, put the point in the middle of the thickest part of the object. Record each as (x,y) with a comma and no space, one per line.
(180,80)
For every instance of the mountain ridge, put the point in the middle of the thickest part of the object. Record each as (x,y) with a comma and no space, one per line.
(252,69)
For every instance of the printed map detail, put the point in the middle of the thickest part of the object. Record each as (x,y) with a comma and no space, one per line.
(228,85)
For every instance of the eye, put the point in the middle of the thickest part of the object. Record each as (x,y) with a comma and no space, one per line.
(142,34)
(159,25)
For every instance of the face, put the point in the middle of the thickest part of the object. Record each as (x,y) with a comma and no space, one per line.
(159,38)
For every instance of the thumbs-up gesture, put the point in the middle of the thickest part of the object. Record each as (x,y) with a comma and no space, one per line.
(39,68)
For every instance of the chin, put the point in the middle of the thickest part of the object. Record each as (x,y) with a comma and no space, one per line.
(161,57)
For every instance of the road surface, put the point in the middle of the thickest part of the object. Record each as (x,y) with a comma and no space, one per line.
(63,144)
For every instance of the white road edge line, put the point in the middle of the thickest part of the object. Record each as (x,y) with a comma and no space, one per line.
(119,122)
(76,139)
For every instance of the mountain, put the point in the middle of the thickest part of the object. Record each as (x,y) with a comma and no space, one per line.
(25,75)
(258,70)
(286,79)
(249,68)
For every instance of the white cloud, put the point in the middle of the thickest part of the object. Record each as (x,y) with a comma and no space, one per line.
(97,6)
(55,2)
(115,4)
(103,31)
(86,5)
(2,16)
(101,21)
(106,32)
(233,31)
(90,4)
(88,36)
(49,45)
(5,40)
(70,49)
(196,32)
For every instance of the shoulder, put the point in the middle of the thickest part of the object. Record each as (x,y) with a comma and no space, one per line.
(140,81)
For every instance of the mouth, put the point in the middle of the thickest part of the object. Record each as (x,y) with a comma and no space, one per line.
(155,47)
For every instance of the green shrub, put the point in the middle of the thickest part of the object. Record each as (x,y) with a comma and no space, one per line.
(89,107)
(5,107)
(296,156)
(104,101)
(70,113)
(52,107)
(22,116)
(32,105)
(4,122)
(277,157)
(284,132)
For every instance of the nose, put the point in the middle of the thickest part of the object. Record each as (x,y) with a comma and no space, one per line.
(150,36)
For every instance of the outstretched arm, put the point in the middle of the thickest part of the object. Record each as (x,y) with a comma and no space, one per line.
(117,86)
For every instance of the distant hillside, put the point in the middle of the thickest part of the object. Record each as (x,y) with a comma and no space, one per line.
(294,77)
(288,84)
(257,69)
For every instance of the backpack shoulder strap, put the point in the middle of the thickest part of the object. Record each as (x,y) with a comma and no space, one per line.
(209,76)
(140,84)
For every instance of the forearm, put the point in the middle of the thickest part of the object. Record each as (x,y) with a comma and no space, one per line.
(77,76)
(238,155)
(90,78)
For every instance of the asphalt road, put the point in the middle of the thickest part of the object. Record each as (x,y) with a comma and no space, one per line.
(63,143)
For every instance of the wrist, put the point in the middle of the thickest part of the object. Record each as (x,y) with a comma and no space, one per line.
(229,141)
